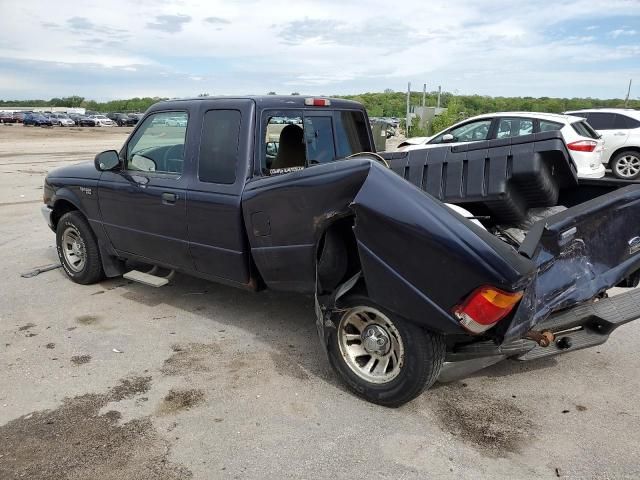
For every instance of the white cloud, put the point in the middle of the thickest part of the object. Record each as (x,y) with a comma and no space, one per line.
(174,47)
(627,32)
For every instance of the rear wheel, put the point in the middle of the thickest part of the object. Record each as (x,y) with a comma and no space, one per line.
(626,165)
(78,249)
(381,357)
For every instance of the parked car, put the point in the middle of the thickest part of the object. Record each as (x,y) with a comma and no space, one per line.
(176,122)
(37,120)
(102,120)
(7,117)
(19,116)
(122,119)
(85,121)
(584,143)
(405,287)
(61,119)
(75,117)
(620,130)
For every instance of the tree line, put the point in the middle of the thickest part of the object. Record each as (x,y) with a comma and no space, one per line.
(378,104)
(129,105)
(394,104)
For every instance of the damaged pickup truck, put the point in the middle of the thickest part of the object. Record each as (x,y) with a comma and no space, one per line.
(423,264)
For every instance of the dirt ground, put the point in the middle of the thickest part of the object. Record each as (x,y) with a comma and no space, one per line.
(196,380)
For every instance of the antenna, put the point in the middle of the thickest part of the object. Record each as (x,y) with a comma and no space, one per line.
(626,99)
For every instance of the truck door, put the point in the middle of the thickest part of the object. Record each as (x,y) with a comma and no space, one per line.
(143,205)
(217,238)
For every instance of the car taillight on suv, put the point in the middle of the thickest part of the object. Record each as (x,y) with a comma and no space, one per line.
(485,307)
(583,146)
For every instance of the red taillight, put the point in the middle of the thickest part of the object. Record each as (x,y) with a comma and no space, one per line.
(317,102)
(485,307)
(583,146)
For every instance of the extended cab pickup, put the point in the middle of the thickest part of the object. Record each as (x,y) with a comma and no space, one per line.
(280,193)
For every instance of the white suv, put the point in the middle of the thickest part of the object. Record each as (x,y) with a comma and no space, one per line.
(584,144)
(102,121)
(620,130)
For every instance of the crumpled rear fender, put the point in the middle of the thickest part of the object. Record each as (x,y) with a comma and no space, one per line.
(419,258)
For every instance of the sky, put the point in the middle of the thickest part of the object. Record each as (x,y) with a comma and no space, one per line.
(113,49)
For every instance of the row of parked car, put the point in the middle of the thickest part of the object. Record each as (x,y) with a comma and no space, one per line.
(91,119)
(595,138)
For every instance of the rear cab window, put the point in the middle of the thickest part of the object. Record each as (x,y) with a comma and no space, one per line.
(296,139)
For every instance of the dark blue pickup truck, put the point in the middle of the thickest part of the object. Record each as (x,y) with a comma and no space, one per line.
(287,193)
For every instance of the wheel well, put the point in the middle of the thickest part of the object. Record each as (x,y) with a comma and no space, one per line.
(623,149)
(337,254)
(59,209)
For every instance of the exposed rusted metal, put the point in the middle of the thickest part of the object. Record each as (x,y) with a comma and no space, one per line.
(544,338)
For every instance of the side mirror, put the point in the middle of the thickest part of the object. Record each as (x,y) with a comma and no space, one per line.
(107,160)
(447,138)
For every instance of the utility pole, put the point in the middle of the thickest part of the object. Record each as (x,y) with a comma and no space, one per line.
(408,107)
(439,92)
(626,100)
(424,94)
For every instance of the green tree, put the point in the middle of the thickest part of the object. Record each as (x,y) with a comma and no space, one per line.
(447,118)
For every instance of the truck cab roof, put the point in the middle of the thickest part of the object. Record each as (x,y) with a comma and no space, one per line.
(264,102)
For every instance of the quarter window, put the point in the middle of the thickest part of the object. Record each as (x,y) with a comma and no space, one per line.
(220,145)
(623,122)
(583,129)
(547,126)
(602,121)
(158,145)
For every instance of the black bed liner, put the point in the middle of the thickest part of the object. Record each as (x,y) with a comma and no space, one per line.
(503,178)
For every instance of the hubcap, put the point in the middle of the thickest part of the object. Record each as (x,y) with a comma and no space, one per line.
(73,249)
(370,344)
(628,166)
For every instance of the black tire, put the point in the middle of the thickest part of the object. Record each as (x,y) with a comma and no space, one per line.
(423,357)
(629,157)
(91,271)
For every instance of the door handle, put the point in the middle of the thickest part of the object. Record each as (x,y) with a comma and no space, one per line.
(619,134)
(169,198)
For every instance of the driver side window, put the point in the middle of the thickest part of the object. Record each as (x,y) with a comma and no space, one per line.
(158,145)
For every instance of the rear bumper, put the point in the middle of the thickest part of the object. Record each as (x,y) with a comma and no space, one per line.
(595,173)
(582,327)
(586,325)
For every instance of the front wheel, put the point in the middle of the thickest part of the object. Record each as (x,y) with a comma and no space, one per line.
(78,249)
(381,357)
(626,165)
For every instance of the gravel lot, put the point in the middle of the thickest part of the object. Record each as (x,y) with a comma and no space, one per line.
(196,380)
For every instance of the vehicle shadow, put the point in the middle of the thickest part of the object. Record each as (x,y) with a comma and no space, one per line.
(284,321)
(508,367)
